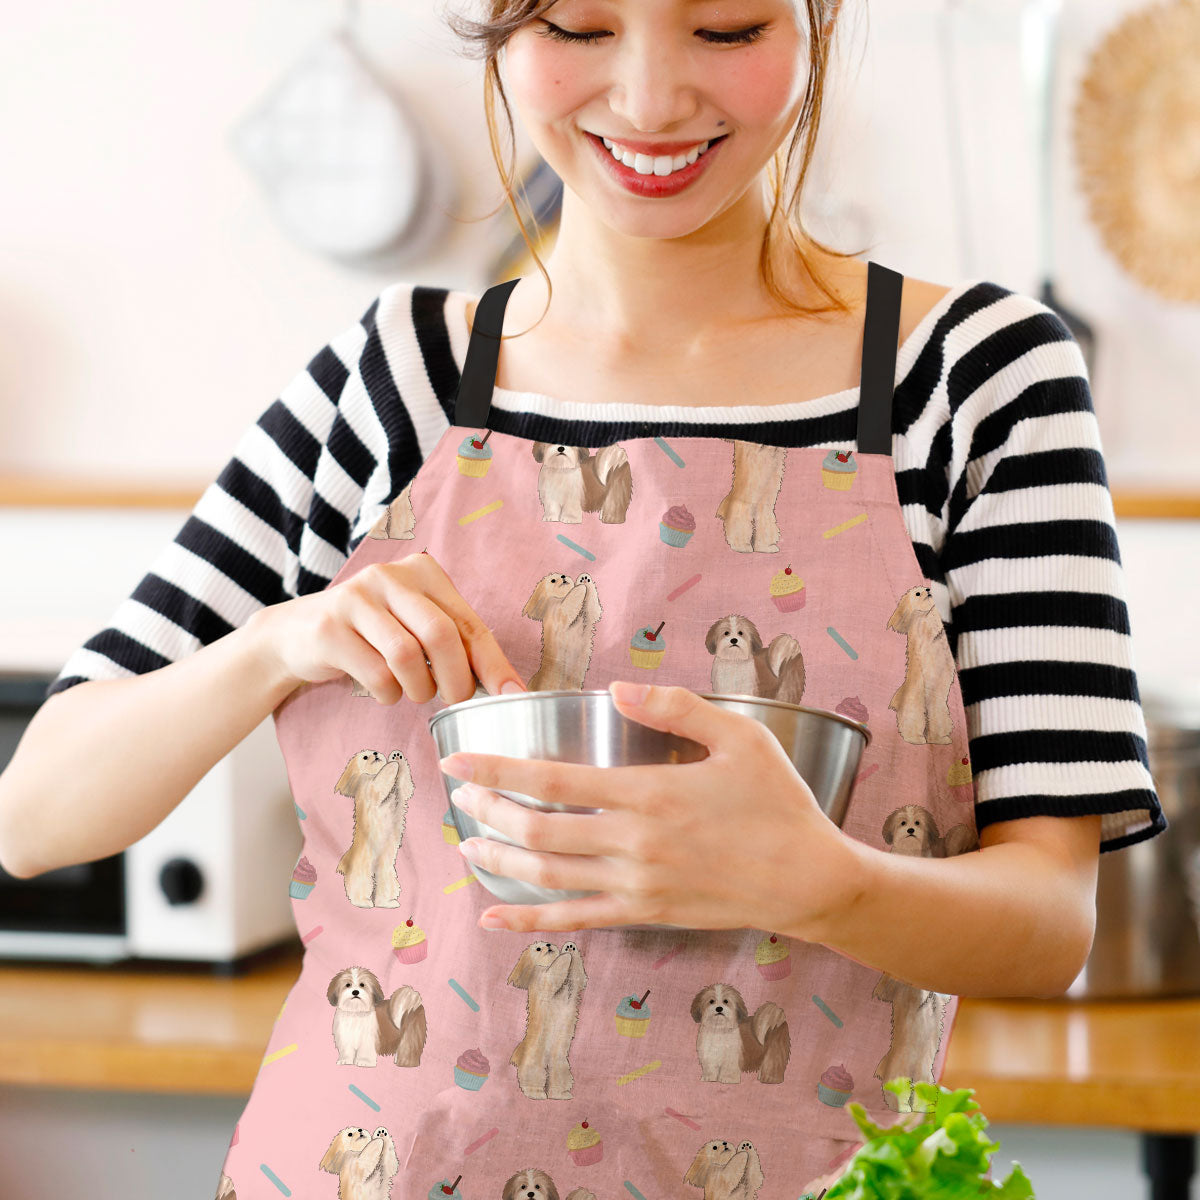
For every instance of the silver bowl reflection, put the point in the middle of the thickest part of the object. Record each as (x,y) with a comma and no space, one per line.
(586,727)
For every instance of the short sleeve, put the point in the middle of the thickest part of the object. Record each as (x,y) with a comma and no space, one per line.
(304,482)
(1037,595)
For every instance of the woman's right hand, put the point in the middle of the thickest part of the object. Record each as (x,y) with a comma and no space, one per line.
(379,627)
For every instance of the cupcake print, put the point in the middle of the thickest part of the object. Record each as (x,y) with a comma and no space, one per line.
(773,958)
(835,1086)
(444,1188)
(787,590)
(449,829)
(853,708)
(475,456)
(408,942)
(647,647)
(633,1016)
(838,470)
(471,1070)
(959,776)
(584,1145)
(677,525)
(304,879)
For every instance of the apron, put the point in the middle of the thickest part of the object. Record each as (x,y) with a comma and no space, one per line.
(419,1056)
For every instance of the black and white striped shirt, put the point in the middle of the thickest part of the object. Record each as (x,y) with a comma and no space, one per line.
(999,471)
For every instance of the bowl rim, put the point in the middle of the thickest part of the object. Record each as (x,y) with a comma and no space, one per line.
(579,693)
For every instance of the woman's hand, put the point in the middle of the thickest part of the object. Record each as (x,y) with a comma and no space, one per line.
(379,627)
(734,841)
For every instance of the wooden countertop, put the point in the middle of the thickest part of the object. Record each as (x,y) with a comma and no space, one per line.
(179,1028)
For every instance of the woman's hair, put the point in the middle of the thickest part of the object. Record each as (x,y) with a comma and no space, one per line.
(505,17)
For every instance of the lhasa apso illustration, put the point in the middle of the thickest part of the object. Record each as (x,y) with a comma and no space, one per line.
(397,520)
(912,829)
(730,1040)
(748,508)
(554,981)
(381,789)
(365,1163)
(568,610)
(225,1188)
(573,481)
(725,1173)
(742,665)
(921,701)
(366,1025)
(535,1184)
(917,1016)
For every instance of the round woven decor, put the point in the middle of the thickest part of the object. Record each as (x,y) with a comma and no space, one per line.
(1137,145)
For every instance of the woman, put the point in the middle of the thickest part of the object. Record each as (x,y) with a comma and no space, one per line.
(716,507)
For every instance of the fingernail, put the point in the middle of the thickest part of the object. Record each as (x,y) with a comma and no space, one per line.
(509,686)
(630,693)
(452,764)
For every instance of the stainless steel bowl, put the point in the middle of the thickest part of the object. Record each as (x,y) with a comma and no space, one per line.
(586,727)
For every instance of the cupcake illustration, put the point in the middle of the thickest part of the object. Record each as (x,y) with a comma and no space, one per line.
(408,942)
(449,829)
(471,1070)
(835,1086)
(853,708)
(645,648)
(475,456)
(677,525)
(773,958)
(584,1145)
(959,775)
(787,590)
(633,1016)
(444,1188)
(838,469)
(304,878)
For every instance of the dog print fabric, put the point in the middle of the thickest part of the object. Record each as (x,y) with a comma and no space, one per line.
(418,1055)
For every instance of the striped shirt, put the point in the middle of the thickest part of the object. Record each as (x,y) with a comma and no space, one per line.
(999,472)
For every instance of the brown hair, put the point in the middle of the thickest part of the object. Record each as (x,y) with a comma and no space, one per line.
(505,17)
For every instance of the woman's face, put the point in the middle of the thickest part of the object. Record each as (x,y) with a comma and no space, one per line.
(666,75)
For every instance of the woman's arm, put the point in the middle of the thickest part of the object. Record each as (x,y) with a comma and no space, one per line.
(102,763)
(1014,918)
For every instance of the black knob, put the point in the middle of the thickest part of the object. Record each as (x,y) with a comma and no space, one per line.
(180,880)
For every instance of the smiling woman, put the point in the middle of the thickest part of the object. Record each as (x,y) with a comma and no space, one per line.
(722,458)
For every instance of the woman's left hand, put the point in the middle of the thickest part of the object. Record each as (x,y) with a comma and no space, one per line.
(734,841)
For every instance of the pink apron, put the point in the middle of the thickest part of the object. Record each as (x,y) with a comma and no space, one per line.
(419,1056)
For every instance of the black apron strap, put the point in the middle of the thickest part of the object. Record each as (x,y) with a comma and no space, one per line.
(881,332)
(473,397)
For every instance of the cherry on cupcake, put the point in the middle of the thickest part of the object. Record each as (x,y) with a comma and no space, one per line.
(639,1003)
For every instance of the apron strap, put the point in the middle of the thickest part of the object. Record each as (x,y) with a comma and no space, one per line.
(473,396)
(881,332)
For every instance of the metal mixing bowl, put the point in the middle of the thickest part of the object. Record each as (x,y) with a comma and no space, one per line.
(586,727)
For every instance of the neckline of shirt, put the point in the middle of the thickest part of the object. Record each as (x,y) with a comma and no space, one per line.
(514,401)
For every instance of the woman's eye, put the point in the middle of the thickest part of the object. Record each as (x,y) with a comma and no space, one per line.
(716,37)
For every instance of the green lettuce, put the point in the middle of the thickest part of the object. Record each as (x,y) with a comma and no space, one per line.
(945,1156)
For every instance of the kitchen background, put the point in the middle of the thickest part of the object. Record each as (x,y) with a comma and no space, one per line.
(158,286)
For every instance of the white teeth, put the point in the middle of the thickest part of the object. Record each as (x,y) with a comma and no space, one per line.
(663,164)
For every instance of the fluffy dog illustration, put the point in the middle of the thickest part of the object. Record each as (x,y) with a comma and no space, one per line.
(568,610)
(748,508)
(225,1189)
(912,829)
(535,1184)
(367,1025)
(730,1040)
(744,666)
(554,980)
(917,1016)
(573,481)
(381,789)
(365,1163)
(725,1173)
(921,701)
(397,520)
